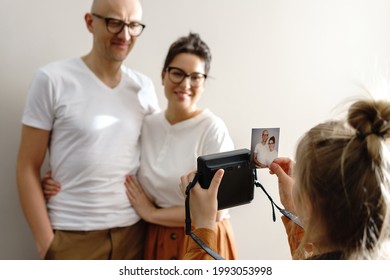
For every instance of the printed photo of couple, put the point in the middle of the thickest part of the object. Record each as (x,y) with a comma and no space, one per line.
(264,146)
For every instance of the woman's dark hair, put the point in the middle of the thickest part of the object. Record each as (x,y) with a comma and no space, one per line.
(271,138)
(191,44)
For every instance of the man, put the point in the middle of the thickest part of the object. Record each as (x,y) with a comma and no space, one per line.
(88,111)
(260,150)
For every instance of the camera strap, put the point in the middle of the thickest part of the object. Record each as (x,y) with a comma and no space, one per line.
(203,245)
(285,212)
(189,232)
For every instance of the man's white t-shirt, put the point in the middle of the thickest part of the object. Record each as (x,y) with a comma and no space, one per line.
(261,151)
(95,141)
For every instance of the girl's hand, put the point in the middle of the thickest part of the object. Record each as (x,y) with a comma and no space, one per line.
(203,202)
(284,170)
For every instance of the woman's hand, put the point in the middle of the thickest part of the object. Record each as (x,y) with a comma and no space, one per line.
(50,186)
(138,198)
(284,169)
(203,202)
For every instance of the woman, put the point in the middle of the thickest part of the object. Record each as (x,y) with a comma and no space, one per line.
(171,141)
(271,153)
(340,189)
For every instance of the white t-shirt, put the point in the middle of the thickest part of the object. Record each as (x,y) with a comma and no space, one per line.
(170,151)
(269,157)
(94,142)
(261,151)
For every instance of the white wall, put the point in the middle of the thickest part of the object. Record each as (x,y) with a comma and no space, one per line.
(276,63)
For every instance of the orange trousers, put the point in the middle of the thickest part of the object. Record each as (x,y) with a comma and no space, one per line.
(170,243)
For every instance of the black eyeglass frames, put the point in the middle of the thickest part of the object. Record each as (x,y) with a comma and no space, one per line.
(177,76)
(115,26)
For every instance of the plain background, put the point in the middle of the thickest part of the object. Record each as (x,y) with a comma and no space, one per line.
(276,63)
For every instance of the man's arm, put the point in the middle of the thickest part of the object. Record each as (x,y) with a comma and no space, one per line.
(32,153)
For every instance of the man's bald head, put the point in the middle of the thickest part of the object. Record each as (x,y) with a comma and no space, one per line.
(107,6)
(107,45)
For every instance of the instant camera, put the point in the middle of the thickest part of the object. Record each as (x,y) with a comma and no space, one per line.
(237,186)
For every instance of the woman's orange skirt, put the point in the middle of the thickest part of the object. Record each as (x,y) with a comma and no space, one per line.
(170,243)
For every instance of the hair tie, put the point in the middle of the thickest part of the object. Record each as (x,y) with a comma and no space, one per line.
(361,136)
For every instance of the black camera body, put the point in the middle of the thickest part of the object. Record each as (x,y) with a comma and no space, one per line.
(237,185)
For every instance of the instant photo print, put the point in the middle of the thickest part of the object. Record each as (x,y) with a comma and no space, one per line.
(237,185)
(265,146)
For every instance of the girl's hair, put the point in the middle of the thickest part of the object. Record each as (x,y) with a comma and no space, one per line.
(343,169)
(272,138)
(191,44)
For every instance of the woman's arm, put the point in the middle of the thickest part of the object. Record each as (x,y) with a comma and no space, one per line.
(170,217)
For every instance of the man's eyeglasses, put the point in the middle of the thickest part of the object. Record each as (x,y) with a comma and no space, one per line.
(115,26)
(177,76)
